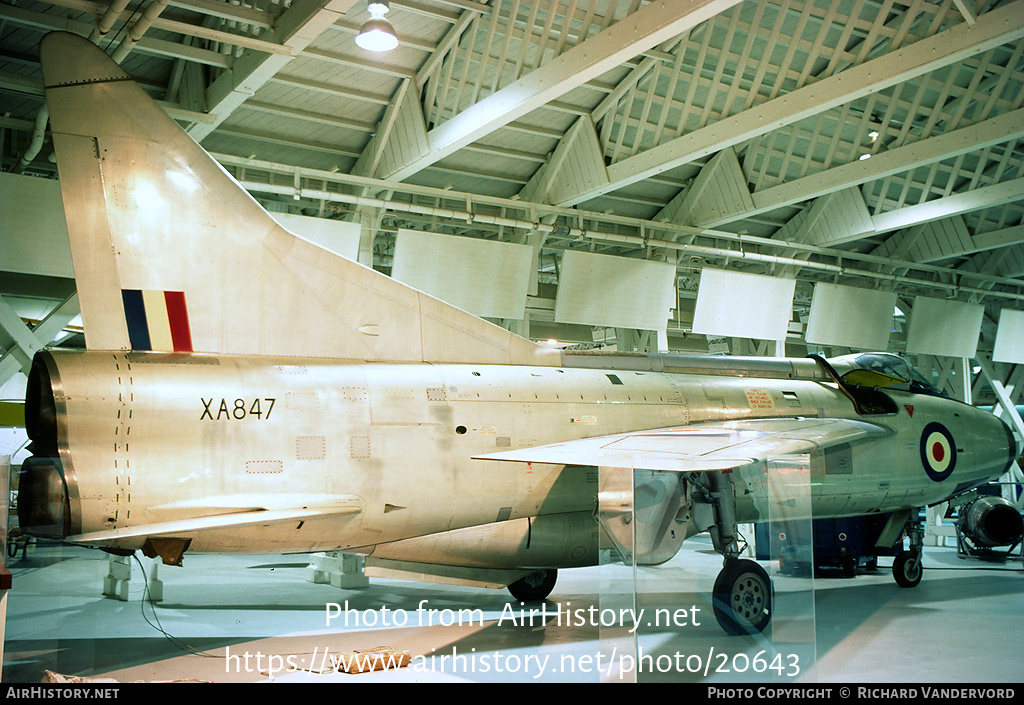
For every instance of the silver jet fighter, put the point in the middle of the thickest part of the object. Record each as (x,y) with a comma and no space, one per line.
(244,390)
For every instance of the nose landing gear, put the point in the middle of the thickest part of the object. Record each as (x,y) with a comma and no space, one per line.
(906,568)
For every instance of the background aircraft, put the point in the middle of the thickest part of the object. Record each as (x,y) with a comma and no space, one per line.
(245,390)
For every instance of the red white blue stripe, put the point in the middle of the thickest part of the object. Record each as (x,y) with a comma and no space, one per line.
(157,320)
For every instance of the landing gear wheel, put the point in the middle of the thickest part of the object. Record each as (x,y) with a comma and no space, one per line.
(742,597)
(534,587)
(907,569)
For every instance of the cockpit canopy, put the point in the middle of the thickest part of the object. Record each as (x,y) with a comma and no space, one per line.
(882,370)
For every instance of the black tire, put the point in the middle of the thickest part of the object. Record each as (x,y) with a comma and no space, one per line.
(534,587)
(907,569)
(742,598)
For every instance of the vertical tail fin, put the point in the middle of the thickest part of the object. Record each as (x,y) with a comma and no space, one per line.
(171,253)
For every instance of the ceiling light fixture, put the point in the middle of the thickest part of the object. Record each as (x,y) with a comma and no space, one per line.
(377,34)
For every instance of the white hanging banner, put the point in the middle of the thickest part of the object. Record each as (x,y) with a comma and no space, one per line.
(604,290)
(743,305)
(851,317)
(338,236)
(941,327)
(1009,346)
(484,277)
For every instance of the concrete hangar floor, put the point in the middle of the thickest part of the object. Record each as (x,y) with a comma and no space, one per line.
(258,618)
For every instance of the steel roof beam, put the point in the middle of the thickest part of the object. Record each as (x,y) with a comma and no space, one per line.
(295,29)
(228,11)
(644,29)
(1004,128)
(992,29)
(682,238)
(18,358)
(956,204)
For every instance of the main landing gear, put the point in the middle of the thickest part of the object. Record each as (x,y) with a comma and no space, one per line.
(742,594)
(534,587)
(742,597)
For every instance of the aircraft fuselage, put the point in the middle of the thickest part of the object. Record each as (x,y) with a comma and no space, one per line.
(147,438)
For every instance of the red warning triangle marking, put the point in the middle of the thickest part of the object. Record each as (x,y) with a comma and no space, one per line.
(910,409)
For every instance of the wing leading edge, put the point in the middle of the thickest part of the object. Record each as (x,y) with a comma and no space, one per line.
(648,531)
(700,447)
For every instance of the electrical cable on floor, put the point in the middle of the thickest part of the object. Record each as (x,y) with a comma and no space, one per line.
(178,643)
(159,627)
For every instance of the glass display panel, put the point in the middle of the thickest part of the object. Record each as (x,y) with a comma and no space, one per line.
(673,609)
(616,656)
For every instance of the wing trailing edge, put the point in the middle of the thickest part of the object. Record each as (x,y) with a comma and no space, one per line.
(224,513)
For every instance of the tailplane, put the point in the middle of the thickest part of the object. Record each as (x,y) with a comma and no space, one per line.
(172,254)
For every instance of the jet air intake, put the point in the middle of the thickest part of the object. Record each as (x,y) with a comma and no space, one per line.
(43,507)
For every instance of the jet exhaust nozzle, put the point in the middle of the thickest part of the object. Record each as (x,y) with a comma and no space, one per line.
(991,521)
(42,499)
(43,506)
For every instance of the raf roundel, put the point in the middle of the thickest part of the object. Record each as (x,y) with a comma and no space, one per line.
(938,451)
